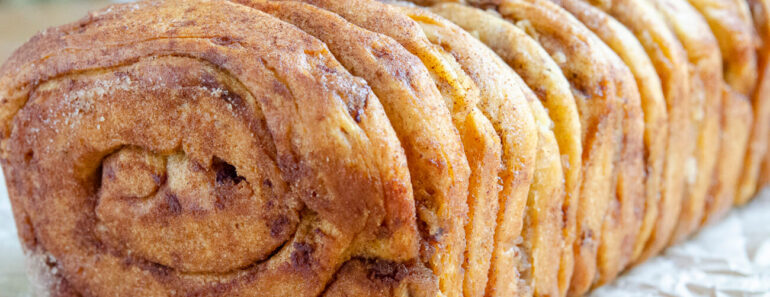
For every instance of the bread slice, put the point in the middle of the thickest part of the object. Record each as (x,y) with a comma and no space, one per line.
(423,123)
(705,61)
(670,61)
(543,76)
(760,130)
(736,120)
(264,132)
(506,105)
(582,58)
(732,25)
(538,263)
(623,225)
(760,10)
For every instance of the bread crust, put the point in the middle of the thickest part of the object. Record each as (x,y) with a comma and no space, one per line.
(408,94)
(376,148)
(505,104)
(731,23)
(313,182)
(760,11)
(670,61)
(592,76)
(760,130)
(542,216)
(543,76)
(461,97)
(736,119)
(705,80)
(623,224)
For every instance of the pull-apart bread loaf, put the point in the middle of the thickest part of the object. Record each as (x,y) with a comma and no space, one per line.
(379,148)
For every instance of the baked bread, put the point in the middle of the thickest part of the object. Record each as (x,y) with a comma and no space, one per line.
(518,134)
(583,59)
(705,79)
(537,264)
(736,119)
(760,100)
(365,148)
(624,222)
(731,23)
(761,14)
(408,94)
(237,175)
(542,75)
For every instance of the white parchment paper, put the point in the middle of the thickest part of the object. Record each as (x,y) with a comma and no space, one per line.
(730,258)
(13,279)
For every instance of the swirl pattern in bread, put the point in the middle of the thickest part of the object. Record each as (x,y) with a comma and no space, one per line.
(368,148)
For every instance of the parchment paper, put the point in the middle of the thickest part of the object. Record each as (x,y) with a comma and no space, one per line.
(730,258)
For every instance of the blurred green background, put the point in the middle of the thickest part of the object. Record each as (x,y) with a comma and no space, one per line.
(20,19)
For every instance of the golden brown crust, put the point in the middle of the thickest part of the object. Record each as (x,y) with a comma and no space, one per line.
(760,12)
(705,80)
(670,61)
(360,277)
(622,225)
(593,83)
(70,124)
(730,21)
(438,168)
(764,173)
(507,109)
(541,73)
(484,151)
(543,219)
(736,120)
(760,130)
(408,94)
(461,98)
(355,147)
